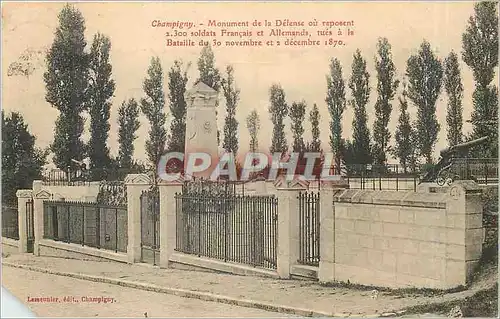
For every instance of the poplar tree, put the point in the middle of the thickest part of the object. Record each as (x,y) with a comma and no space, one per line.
(480,53)
(66,81)
(425,73)
(232,96)
(336,102)
(100,91)
(278,110)
(177,81)
(128,124)
(404,148)
(253,126)
(314,117)
(454,90)
(153,106)
(386,90)
(360,87)
(297,117)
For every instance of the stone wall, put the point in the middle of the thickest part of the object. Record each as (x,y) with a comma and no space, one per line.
(406,239)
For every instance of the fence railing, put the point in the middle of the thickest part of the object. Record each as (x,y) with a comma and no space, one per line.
(482,170)
(30,225)
(150,225)
(382,177)
(10,222)
(309,226)
(79,177)
(88,224)
(233,228)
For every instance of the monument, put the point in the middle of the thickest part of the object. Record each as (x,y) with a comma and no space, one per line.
(201,123)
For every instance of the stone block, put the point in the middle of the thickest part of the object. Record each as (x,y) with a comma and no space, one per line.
(340,239)
(406,215)
(395,230)
(409,281)
(389,261)
(374,259)
(432,249)
(435,234)
(431,217)
(473,204)
(362,226)
(341,211)
(433,268)
(343,255)
(474,236)
(366,241)
(376,229)
(344,225)
(455,273)
(381,243)
(474,220)
(408,246)
(364,276)
(455,221)
(389,214)
(326,272)
(463,253)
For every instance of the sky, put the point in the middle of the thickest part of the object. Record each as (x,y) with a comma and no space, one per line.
(301,71)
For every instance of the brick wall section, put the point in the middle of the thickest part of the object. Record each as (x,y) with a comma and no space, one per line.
(406,239)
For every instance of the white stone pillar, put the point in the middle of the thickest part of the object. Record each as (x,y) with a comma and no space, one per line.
(464,224)
(168,225)
(136,184)
(326,272)
(40,195)
(288,229)
(23,196)
(260,187)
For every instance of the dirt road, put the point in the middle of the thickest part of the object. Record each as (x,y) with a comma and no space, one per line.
(79,298)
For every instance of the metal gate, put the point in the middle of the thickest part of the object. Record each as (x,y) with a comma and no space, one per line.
(228,227)
(150,226)
(309,228)
(30,229)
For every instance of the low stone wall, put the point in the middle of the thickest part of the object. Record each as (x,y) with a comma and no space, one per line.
(10,246)
(406,239)
(58,249)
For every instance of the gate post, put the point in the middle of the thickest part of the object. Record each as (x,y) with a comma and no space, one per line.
(288,228)
(326,271)
(39,196)
(23,196)
(135,183)
(168,222)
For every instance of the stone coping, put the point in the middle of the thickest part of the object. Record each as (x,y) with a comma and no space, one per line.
(10,242)
(393,198)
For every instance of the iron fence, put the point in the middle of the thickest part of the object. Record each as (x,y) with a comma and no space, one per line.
(235,228)
(150,225)
(10,222)
(309,228)
(79,177)
(88,224)
(30,226)
(382,177)
(482,170)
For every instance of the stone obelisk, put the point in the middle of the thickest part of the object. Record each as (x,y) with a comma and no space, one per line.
(201,124)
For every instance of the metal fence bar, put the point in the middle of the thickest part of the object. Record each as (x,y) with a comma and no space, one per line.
(309,226)
(53,211)
(227,227)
